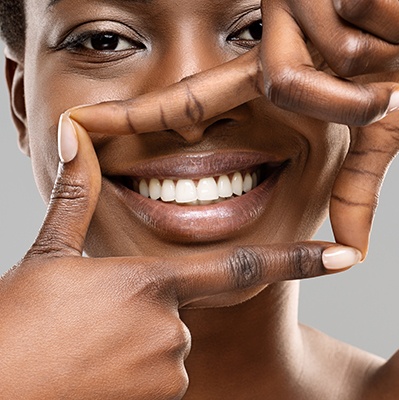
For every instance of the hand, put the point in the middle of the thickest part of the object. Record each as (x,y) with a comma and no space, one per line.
(352,37)
(100,328)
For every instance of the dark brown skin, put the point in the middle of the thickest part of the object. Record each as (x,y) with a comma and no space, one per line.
(119,324)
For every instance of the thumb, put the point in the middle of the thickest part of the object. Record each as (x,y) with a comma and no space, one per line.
(74,196)
(356,190)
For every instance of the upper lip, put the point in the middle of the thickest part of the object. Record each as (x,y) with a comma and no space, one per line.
(197,165)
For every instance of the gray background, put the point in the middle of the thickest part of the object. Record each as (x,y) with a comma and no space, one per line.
(359,306)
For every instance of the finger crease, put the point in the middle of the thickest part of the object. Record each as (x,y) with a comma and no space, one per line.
(370,151)
(194,109)
(163,120)
(130,124)
(350,203)
(361,172)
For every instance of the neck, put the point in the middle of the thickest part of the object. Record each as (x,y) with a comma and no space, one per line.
(258,342)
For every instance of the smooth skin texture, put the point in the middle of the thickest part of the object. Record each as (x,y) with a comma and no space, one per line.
(113,326)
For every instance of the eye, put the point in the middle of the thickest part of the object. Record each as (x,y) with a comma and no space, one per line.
(100,42)
(251,33)
(107,41)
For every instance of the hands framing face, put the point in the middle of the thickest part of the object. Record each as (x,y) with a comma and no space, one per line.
(355,40)
(80,303)
(119,315)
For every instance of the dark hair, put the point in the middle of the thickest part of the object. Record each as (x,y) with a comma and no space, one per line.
(12,24)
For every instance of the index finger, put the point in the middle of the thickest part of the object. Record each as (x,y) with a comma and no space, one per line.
(284,72)
(194,99)
(246,267)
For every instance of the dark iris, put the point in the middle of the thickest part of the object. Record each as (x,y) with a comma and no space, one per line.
(255,30)
(104,41)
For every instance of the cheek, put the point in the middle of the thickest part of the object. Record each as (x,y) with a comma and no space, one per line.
(48,93)
(326,155)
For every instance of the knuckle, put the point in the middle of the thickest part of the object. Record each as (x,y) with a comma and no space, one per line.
(352,10)
(194,110)
(350,55)
(370,107)
(178,340)
(47,245)
(171,384)
(245,267)
(306,261)
(177,382)
(71,192)
(65,190)
(281,85)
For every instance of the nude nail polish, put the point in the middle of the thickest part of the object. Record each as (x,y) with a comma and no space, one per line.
(394,101)
(340,257)
(67,139)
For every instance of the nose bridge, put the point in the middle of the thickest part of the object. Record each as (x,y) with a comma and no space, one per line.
(188,49)
(191,49)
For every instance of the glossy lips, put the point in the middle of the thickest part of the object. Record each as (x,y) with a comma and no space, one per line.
(199,198)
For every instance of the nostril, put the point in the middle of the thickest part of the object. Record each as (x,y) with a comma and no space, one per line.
(225,122)
(195,133)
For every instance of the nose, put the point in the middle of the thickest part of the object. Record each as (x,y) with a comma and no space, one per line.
(187,52)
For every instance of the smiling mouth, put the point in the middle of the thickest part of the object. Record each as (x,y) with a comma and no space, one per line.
(199,198)
(201,191)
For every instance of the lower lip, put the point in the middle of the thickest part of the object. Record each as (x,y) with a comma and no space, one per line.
(203,223)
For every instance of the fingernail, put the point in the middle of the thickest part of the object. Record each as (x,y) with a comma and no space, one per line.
(67,139)
(339,257)
(394,101)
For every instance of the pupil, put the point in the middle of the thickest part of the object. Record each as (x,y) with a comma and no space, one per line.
(255,30)
(104,41)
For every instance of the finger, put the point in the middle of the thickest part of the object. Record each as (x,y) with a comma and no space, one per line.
(74,196)
(253,266)
(348,50)
(293,83)
(379,17)
(356,190)
(188,102)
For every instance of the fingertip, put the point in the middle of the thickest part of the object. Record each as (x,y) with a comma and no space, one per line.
(394,101)
(67,139)
(341,257)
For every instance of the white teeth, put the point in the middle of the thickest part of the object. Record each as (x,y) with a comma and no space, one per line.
(168,192)
(186,191)
(224,187)
(247,184)
(155,189)
(144,189)
(254,180)
(207,189)
(236,183)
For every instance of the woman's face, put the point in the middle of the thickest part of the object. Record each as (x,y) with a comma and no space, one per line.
(80,52)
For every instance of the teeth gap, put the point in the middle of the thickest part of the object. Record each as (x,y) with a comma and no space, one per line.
(209,190)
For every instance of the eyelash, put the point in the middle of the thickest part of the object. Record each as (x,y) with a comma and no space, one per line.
(76,42)
(256,27)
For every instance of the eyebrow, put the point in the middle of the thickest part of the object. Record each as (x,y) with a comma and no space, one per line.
(52,3)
